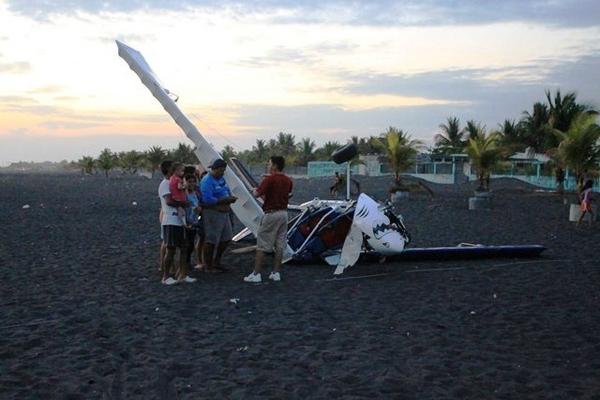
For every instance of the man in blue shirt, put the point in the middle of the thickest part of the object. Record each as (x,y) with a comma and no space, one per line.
(216,199)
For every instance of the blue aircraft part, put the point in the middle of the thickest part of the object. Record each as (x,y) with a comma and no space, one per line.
(467,252)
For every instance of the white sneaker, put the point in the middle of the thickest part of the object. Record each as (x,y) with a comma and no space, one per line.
(275,276)
(253,278)
(169,281)
(189,279)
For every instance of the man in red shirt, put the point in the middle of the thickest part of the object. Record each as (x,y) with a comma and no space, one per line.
(275,189)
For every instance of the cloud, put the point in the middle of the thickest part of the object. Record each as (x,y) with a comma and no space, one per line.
(305,57)
(26,105)
(475,95)
(454,85)
(16,99)
(581,76)
(50,89)
(499,86)
(30,105)
(382,12)
(129,38)
(69,125)
(20,67)
(280,56)
(66,98)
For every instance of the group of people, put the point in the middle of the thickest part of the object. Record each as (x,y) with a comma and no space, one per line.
(196,215)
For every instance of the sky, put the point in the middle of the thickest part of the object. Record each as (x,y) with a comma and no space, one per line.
(247,70)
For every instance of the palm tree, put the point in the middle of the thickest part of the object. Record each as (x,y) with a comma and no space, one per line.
(535,128)
(130,161)
(579,147)
(305,149)
(286,143)
(106,161)
(87,164)
(324,152)
(564,110)
(155,156)
(401,151)
(510,135)
(561,114)
(228,152)
(451,139)
(260,150)
(272,146)
(185,154)
(474,129)
(484,154)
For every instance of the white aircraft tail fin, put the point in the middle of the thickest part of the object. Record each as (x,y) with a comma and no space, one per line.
(246,208)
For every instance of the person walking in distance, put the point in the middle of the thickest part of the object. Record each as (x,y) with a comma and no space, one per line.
(275,189)
(586,201)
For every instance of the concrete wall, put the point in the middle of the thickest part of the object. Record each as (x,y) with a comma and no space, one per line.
(435,178)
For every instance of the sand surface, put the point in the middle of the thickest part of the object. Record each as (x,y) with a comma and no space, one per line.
(83,315)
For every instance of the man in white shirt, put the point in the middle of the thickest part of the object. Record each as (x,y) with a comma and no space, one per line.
(172,232)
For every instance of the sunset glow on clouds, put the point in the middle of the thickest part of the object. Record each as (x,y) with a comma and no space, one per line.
(244,71)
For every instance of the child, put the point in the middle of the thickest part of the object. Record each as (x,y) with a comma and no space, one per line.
(177,187)
(176,184)
(194,221)
(586,201)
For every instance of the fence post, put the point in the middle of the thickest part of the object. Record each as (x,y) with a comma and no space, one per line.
(453,170)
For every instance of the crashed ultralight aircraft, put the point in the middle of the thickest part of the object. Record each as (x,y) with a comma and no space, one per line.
(337,231)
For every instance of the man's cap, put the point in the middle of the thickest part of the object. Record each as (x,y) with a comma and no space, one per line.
(218,163)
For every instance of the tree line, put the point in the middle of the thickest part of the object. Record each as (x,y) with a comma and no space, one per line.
(559,127)
(133,160)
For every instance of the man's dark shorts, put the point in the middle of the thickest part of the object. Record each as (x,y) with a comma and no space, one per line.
(173,236)
(217,228)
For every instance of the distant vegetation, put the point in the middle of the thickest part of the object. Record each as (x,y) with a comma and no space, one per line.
(559,127)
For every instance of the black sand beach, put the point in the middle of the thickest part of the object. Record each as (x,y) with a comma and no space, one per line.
(83,315)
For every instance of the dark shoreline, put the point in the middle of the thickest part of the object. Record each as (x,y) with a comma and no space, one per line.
(84,315)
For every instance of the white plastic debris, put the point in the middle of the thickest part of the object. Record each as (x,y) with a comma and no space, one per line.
(26,206)
(234,300)
(134,203)
(473,313)
(245,348)
(156,309)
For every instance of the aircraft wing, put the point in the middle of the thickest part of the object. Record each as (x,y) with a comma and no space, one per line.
(246,207)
